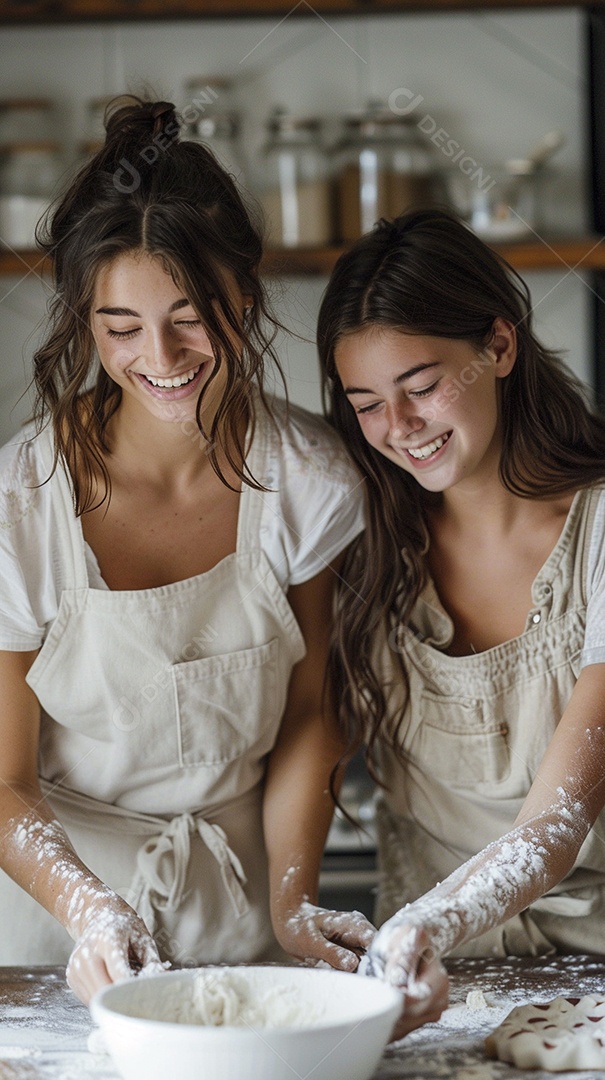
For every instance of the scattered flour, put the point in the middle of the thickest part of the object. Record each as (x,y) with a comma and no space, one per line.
(225,998)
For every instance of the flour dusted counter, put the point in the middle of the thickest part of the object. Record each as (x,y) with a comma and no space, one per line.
(454,1048)
(44,1029)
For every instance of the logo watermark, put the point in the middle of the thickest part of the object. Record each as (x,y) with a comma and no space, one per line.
(404,102)
(127,178)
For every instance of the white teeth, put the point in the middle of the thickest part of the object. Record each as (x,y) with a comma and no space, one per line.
(423,452)
(179,380)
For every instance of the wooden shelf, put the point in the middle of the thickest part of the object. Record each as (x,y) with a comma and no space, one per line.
(577,254)
(61,11)
(587,254)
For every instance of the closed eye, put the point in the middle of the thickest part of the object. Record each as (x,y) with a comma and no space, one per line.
(367,408)
(122,335)
(424,392)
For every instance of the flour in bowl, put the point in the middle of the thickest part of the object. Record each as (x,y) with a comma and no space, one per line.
(218,998)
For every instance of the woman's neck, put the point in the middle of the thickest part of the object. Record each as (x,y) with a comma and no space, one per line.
(483,507)
(167,454)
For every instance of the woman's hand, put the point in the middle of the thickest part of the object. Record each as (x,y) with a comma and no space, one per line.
(339,937)
(115,944)
(402,955)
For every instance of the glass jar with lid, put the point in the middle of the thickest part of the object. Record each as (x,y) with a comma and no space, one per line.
(296,195)
(383,167)
(29,174)
(210,117)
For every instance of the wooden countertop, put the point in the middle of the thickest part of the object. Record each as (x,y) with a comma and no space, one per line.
(44,1029)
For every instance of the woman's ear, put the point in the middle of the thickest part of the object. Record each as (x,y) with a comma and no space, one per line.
(503,346)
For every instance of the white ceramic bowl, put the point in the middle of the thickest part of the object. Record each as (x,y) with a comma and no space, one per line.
(353,1019)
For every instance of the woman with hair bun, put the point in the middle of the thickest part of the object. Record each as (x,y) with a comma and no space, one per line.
(171,536)
(469,651)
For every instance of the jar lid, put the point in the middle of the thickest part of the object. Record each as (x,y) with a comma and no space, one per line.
(25,103)
(218,125)
(376,119)
(281,122)
(30,148)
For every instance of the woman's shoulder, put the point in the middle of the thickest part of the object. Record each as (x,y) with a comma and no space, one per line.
(306,443)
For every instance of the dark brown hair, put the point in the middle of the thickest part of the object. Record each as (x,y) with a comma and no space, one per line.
(427,273)
(146,191)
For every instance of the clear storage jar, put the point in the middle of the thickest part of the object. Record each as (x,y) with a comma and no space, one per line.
(219,132)
(502,202)
(29,174)
(210,117)
(296,189)
(383,166)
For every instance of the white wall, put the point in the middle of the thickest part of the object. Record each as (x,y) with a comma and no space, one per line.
(495,81)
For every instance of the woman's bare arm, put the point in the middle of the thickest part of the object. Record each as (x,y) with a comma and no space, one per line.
(298,806)
(565,798)
(36,852)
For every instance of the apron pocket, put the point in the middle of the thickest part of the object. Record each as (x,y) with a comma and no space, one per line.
(226,703)
(454,743)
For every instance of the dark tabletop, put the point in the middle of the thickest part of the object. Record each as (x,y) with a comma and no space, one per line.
(44,1029)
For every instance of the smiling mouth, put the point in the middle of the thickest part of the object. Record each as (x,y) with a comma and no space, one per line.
(421,453)
(177,380)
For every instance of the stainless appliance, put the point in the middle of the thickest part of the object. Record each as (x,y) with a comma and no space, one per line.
(349,874)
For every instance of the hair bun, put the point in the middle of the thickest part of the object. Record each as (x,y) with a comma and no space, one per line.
(130,116)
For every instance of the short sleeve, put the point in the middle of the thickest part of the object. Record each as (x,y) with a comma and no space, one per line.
(317,508)
(22,510)
(594,641)
(19,631)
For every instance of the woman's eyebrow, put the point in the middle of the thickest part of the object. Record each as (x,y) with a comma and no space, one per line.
(400,378)
(178,304)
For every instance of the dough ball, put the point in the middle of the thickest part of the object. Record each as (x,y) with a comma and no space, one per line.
(475,999)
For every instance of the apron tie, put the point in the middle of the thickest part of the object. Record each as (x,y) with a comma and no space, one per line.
(170,850)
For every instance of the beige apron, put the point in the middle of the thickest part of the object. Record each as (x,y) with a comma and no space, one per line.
(474,734)
(159,709)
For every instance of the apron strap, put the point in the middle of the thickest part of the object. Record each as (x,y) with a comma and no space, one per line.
(171,848)
(584,538)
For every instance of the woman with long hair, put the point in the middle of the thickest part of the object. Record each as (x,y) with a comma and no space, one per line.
(469,652)
(171,535)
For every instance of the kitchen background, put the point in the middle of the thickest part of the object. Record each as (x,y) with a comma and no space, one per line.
(494,81)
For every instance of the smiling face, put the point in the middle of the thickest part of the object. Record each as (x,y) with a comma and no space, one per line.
(150,340)
(429,404)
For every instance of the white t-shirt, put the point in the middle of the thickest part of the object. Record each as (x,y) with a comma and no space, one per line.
(314,510)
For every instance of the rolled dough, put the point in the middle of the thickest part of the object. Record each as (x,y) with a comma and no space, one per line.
(558,1035)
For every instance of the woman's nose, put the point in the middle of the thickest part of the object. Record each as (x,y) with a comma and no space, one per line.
(163,351)
(404,420)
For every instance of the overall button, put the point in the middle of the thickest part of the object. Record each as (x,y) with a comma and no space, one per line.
(536,617)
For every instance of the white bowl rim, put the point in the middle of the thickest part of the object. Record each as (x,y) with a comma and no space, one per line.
(99,1008)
